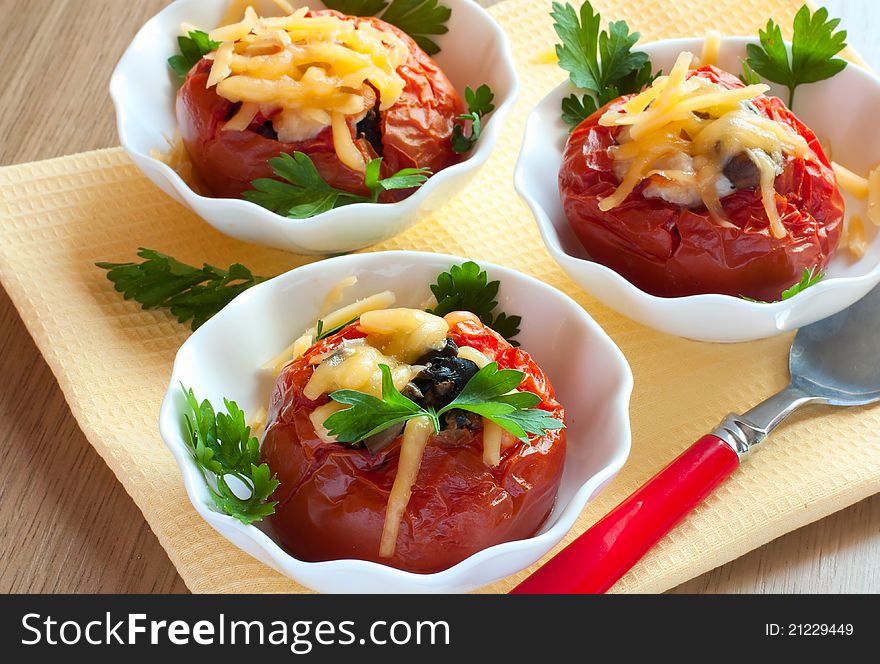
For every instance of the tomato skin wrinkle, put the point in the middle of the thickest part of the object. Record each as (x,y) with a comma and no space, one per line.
(670,251)
(416,131)
(332,498)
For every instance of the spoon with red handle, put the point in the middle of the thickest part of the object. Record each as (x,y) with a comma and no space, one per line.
(835,362)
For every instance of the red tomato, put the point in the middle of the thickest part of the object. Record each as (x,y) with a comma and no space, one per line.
(332,498)
(669,250)
(415,132)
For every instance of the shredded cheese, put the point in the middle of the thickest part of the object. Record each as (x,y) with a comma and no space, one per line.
(334,319)
(711,48)
(344,145)
(546,57)
(318,416)
(177,158)
(307,73)
(492,434)
(243,118)
(258,422)
(235,31)
(335,294)
(416,435)
(235,11)
(867,189)
(700,127)
(475,356)
(767,169)
(873,209)
(853,184)
(856,241)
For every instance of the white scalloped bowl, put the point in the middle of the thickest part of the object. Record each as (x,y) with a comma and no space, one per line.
(474,51)
(714,317)
(591,377)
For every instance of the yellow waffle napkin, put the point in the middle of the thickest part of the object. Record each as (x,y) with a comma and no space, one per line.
(113,360)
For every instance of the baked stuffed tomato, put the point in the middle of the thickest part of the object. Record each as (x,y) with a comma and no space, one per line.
(701,184)
(377,439)
(340,89)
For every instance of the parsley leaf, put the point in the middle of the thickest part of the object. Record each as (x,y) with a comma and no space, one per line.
(406,178)
(357,7)
(321,333)
(466,287)
(369,415)
(600,62)
(192,49)
(811,276)
(305,193)
(748,76)
(222,447)
(196,294)
(417,18)
(507,326)
(813,47)
(190,293)
(479,104)
(577,109)
(485,394)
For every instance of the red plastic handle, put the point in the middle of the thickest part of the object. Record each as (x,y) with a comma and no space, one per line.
(605,552)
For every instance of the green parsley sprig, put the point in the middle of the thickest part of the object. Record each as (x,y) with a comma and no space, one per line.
(600,62)
(417,18)
(304,193)
(479,103)
(811,276)
(748,76)
(193,48)
(191,293)
(466,287)
(222,446)
(814,44)
(487,394)
(196,294)
(321,333)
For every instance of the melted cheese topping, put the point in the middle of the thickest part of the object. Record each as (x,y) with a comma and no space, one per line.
(307,73)
(405,334)
(355,366)
(702,126)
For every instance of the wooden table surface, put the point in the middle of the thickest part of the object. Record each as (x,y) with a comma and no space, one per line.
(68,525)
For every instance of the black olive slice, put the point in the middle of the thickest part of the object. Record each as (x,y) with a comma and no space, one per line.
(742,172)
(443,379)
(370,128)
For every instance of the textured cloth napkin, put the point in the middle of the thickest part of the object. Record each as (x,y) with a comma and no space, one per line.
(113,361)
